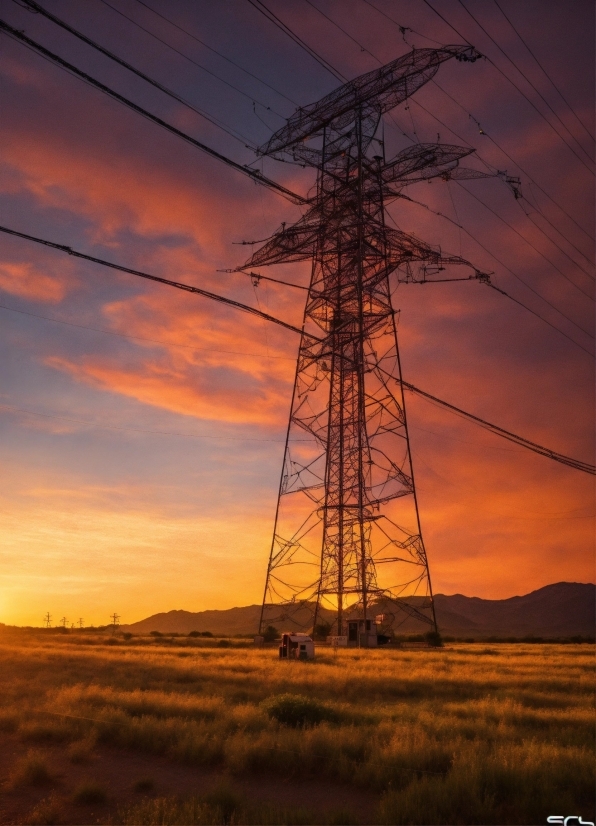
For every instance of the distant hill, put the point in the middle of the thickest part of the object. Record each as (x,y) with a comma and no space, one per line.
(563,609)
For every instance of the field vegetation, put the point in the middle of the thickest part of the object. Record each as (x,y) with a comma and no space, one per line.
(471,733)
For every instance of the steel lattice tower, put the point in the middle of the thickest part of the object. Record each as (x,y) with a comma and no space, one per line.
(347,539)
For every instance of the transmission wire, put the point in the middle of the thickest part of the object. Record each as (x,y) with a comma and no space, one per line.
(34,6)
(554,85)
(462,139)
(529,82)
(69,67)
(215,51)
(500,431)
(507,78)
(186,57)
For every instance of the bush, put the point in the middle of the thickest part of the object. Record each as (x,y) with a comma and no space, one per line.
(32,770)
(155,634)
(90,793)
(270,634)
(296,710)
(194,634)
(434,639)
(224,643)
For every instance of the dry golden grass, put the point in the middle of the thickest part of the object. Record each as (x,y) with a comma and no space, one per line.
(470,734)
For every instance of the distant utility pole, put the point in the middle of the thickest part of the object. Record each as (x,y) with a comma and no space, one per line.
(63,622)
(81,623)
(48,620)
(115,622)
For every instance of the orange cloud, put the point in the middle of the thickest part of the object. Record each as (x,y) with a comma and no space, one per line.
(27,280)
(162,385)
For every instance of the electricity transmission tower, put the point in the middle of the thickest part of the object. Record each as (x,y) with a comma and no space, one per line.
(115,621)
(63,622)
(48,620)
(347,541)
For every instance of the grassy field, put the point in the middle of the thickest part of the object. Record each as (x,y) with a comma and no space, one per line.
(188,731)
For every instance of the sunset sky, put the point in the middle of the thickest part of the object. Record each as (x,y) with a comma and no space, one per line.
(142,428)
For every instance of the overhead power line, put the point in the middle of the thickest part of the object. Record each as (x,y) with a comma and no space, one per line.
(546,74)
(514,274)
(485,134)
(179,285)
(529,243)
(215,51)
(190,60)
(576,463)
(273,18)
(529,82)
(34,6)
(251,173)
(532,104)
(254,174)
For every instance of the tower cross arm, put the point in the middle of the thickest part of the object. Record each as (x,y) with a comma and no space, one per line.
(379,90)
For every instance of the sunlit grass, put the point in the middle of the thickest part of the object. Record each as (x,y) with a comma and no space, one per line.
(469,734)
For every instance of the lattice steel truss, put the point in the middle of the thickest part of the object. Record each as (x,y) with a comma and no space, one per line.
(347,539)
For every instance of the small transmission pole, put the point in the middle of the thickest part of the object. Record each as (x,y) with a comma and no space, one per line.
(115,622)
(63,622)
(347,541)
(48,620)
(81,623)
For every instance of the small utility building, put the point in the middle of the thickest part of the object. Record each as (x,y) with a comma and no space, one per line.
(296,646)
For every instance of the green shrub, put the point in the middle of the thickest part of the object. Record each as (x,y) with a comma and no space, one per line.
(296,710)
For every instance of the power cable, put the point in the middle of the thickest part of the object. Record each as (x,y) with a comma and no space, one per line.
(273,18)
(334,23)
(215,51)
(512,82)
(254,174)
(500,431)
(509,270)
(529,243)
(466,143)
(179,285)
(403,29)
(529,82)
(459,34)
(445,92)
(576,464)
(220,124)
(519,167)
(546,74)
(536,314)
(186,57)
(251,173)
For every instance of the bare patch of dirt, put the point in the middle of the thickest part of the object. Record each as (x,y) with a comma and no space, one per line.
(126,777)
